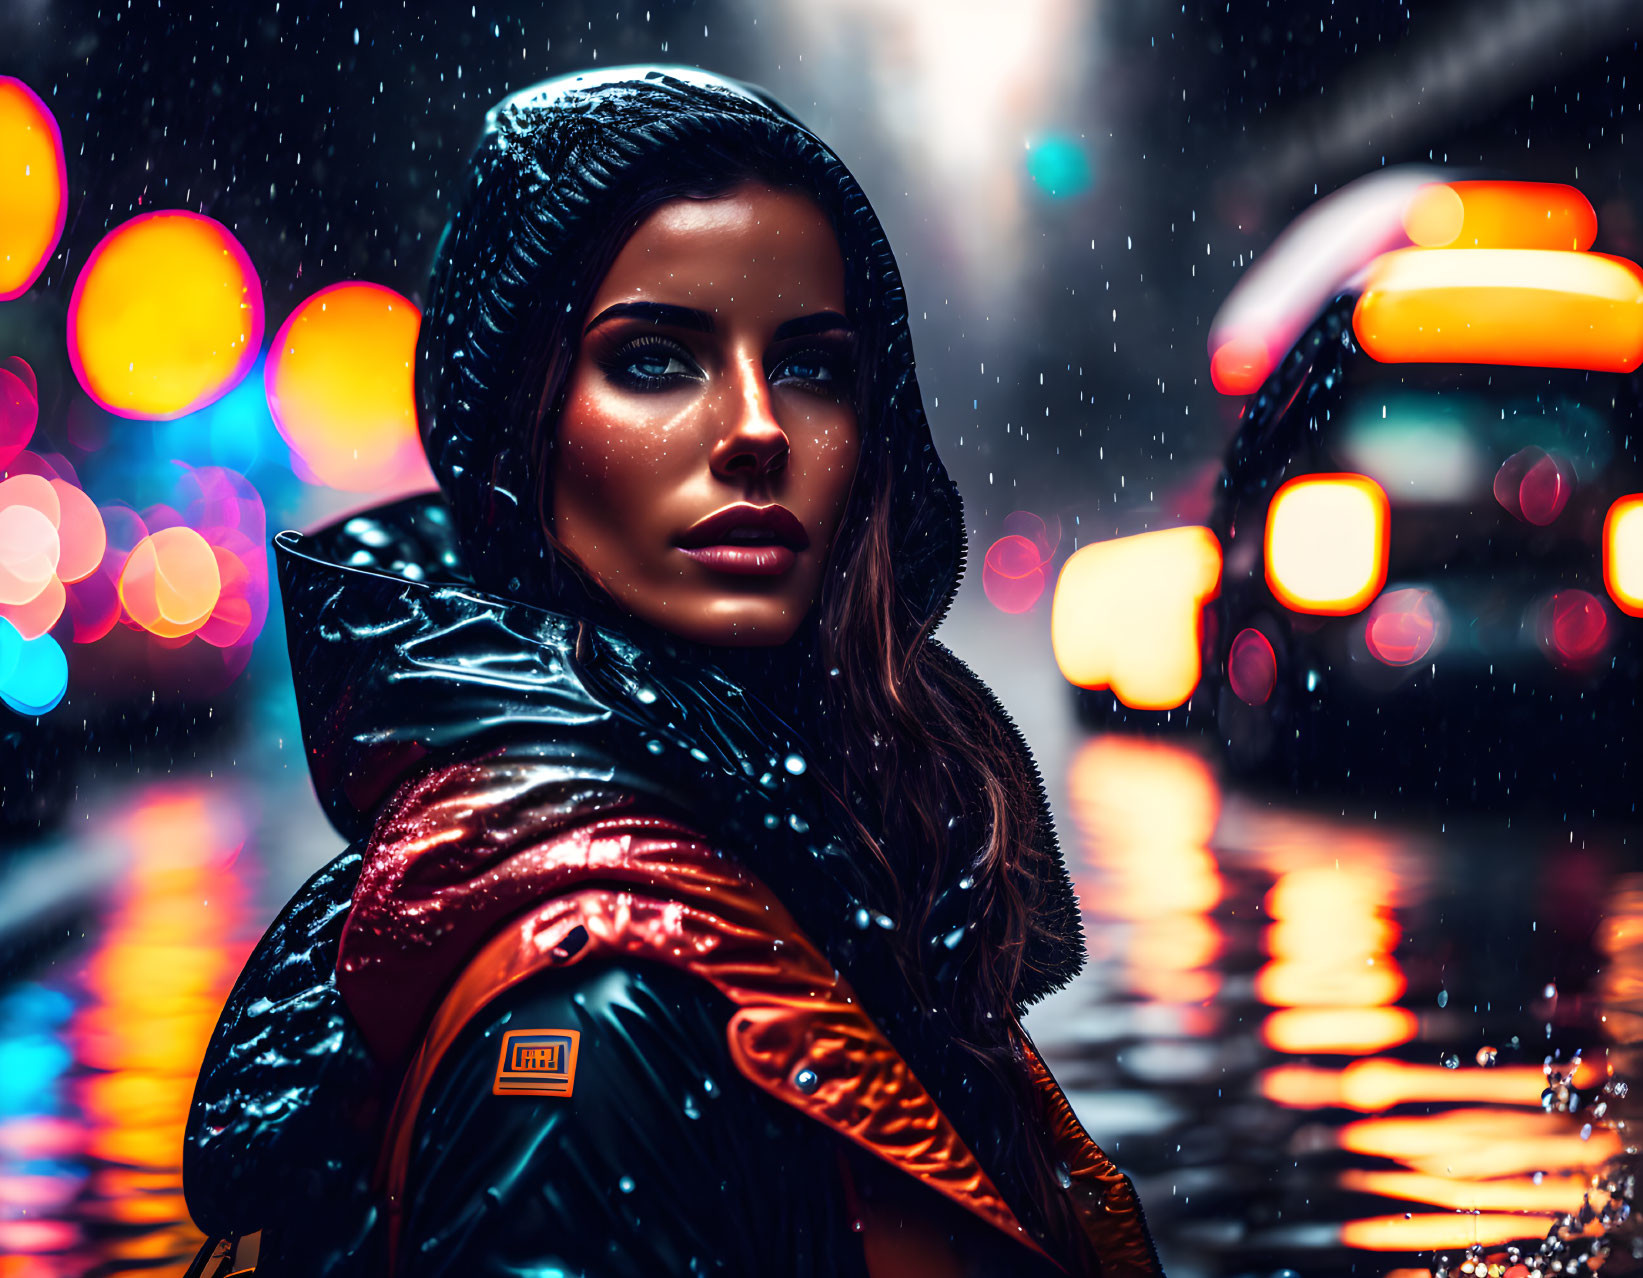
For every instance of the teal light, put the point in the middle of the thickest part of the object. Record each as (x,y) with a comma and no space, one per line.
(1059,165)
(38,679)
(232,431)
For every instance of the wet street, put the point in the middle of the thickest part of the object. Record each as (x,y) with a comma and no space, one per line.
(1315,1039)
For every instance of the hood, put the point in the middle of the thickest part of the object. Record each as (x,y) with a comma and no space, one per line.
(556,166)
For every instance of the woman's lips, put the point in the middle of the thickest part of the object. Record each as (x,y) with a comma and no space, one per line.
(745,540)
(744,561)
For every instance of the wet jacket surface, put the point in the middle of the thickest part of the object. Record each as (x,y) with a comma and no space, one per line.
(560,822)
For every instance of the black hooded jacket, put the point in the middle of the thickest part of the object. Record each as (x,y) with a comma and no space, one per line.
(440,631)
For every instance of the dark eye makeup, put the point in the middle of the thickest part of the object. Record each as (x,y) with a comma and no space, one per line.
(651,362)
(823,368)
(656,362)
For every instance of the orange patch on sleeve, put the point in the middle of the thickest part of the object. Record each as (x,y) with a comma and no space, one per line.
(536,1062)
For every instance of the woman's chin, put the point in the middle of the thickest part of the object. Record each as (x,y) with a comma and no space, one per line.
(737,622)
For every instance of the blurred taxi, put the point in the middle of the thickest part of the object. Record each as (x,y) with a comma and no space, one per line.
(1425,560)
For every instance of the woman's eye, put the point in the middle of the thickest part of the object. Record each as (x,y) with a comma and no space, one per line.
(815,367)
(650,366)
(658,366)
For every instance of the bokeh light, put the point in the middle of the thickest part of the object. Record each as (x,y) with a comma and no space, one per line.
(1128,614)
(11,648)
(1534,485)
(1573,627)
(29,545)
(339,384)
(93,605)
(19,412)
(1623,553)
(1012,574)
(1405,626)
(34,189)
(1494,214)
(171,582)
(235,431)
(1534,307)
(1059,164)
(166,316)
(1240,365)
(40,613)
(1326,543)
(80,533)
(1252,667)
(38,678)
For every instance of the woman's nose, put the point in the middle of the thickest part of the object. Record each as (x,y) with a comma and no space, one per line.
(752,443)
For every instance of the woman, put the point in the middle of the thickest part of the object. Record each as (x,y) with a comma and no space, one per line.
(695,892)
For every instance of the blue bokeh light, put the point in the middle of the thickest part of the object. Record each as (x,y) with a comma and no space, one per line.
(11,650)
(236,431)
(1059,164)
(39,679)
(32,1056)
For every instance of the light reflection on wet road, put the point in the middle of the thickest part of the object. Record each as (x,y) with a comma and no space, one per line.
(1278,1033)
(1281,1028)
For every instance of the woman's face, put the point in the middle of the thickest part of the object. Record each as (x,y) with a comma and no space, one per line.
(709,438)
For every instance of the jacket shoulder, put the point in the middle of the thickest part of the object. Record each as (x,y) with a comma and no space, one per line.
(277,1100)
(606,1093)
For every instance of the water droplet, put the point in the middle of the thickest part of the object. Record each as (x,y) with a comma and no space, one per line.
(807,1080)
(1063,1176)
(967,882)
(645,695)
(794,764)
(955,936)
(1451,1061)
(1550,991)
(861,918)
(1443,998)
(799,824)
(692,1110)
(654,746)
(1486,1056)
(625,1184)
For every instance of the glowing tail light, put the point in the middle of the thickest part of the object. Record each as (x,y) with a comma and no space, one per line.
(1326,543)
(1623,554)
(1126,615)
(1534,307)
(1523,215)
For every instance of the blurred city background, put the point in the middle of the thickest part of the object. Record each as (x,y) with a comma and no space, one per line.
(1313,1027)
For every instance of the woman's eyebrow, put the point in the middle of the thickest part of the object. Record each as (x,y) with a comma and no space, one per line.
(663,313)
(808,325)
